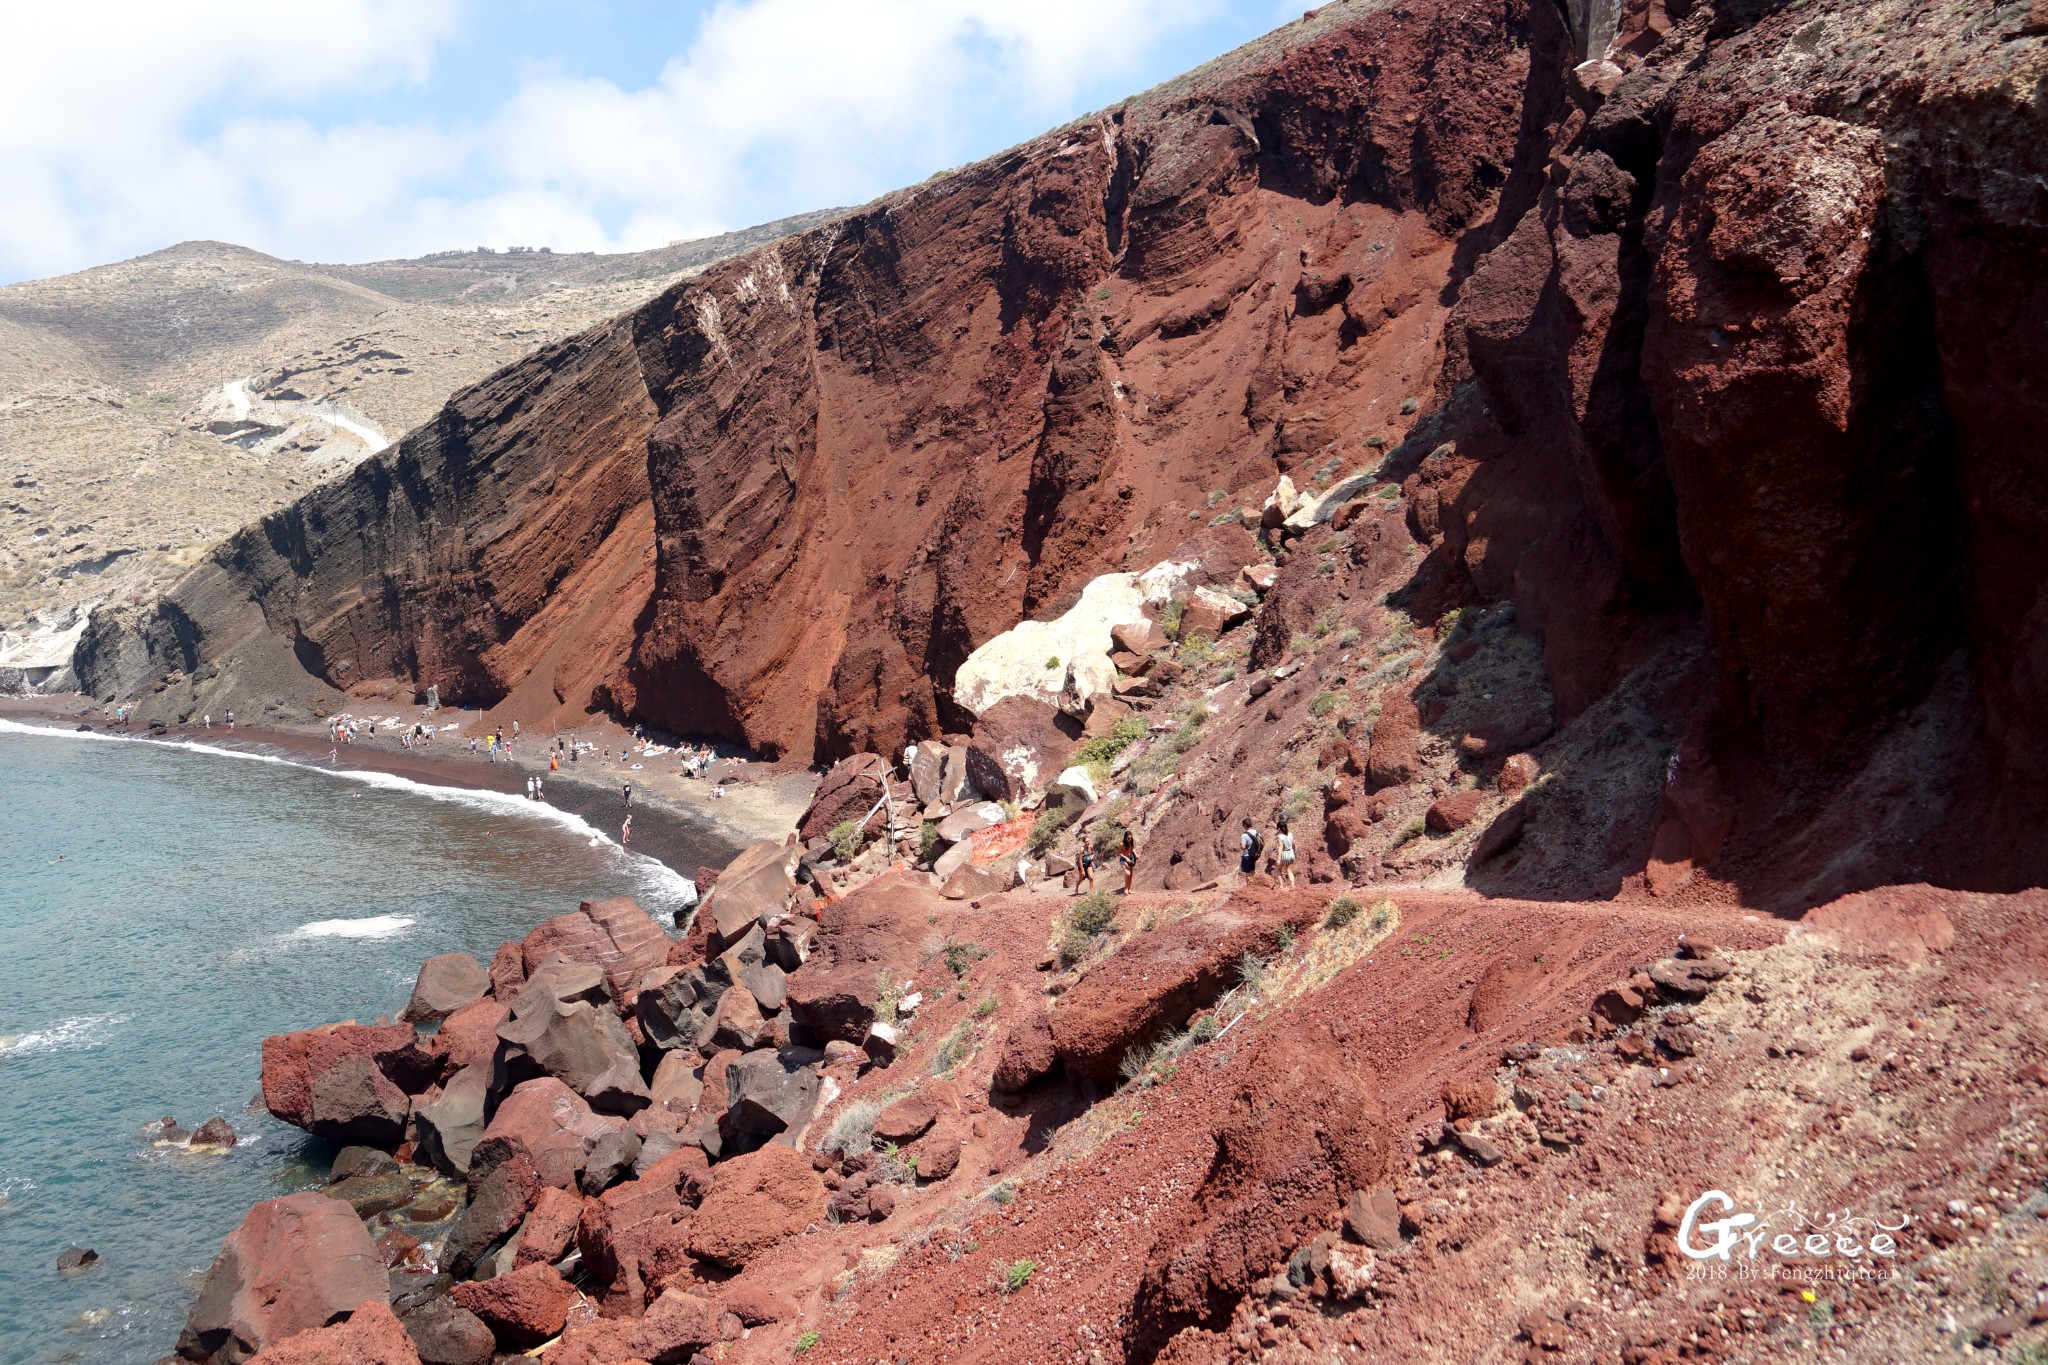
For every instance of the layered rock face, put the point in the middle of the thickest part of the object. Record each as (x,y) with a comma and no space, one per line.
(1721,336)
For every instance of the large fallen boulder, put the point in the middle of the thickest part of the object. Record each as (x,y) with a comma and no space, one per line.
(1391,753)
(616,935)
(1155,983)
(848,792)
(444,1334)
(524,1308)
(446,983)
(556,1029)
(372,1335)
(635,1234)
(345,1082)
(503,1188)
(293,1264)
(876,932)
(448,1120)
(553,1125)
(753,886)
(770,1093)
(470,1034)
(1305,1128)
(757,1201)
(673,1003)
(1019,746)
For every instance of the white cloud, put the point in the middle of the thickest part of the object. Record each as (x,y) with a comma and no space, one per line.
(777,105)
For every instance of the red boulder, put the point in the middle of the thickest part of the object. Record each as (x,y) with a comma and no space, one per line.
(294,1263)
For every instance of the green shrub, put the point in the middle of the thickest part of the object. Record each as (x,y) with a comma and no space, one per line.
(1075,947)
(807,1341)
(961,957)
(1283,938)
(1046,829)
(1190,732)
(1411,830)
(1323,705)
(1204,1028)
(1002,1192)
(1343,910)
(1347,637)
(1093,913)
(1251,970)
(927,841)
(1018,1274)
(1170,614)
(984,1007)
(1409,405)
(1104,748)
(846,840)
(954,1050)
(1102,291)
(1053,661)
(1376,442)
(1382,914)
(887,992)
(1216,495)
(1196,651)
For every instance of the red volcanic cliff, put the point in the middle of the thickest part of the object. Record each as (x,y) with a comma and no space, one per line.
(1721,353)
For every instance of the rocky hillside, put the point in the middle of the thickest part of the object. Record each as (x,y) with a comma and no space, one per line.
(149,409)
(1690,352)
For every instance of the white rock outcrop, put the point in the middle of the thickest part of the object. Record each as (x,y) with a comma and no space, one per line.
(1065,662)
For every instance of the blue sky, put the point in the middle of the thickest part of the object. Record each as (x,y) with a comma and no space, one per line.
(365,129)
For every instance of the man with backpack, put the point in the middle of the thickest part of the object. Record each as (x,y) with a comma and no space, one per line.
(1249,846)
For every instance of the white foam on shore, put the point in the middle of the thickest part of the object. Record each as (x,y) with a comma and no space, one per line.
(369,926)
(83,1031)
(662,882)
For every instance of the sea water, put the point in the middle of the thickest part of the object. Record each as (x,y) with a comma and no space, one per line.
(163,908)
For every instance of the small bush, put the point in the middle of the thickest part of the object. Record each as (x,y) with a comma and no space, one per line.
(887,993)
(1075,947)
(1102,291)
(1204,1028)
(1382,915)
(1376,442)
(1216,495)
(984,1007)
(807,1341)
(1093,913)
(1347,637)
(1046,829)
(961,957)
(1018,1274)
(854,1129)
(1002,1192)
(928,840)
(1409,405)
(1323,705)
(1410,831)
(1105,748)
(846,840)
(1170,614)
(1137,1061)
(1284,938)
(1343,910)
(1053,661)
(955,1049)
(1251,970)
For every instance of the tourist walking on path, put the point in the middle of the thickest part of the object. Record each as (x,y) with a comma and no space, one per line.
(1286,853)
(1084,869)
(1248,846)
(1127,859)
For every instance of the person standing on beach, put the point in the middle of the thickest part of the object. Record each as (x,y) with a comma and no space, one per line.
(206,721)
(628,794)
(626,832)
(231,720)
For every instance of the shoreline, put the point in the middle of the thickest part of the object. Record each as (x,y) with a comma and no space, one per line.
(681,833)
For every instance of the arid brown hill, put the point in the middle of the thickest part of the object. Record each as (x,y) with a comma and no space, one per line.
(1724,337)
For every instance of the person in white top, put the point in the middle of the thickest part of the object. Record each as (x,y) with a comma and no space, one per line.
(1286,852)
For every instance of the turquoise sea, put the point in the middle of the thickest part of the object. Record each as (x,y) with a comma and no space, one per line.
(163,907)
